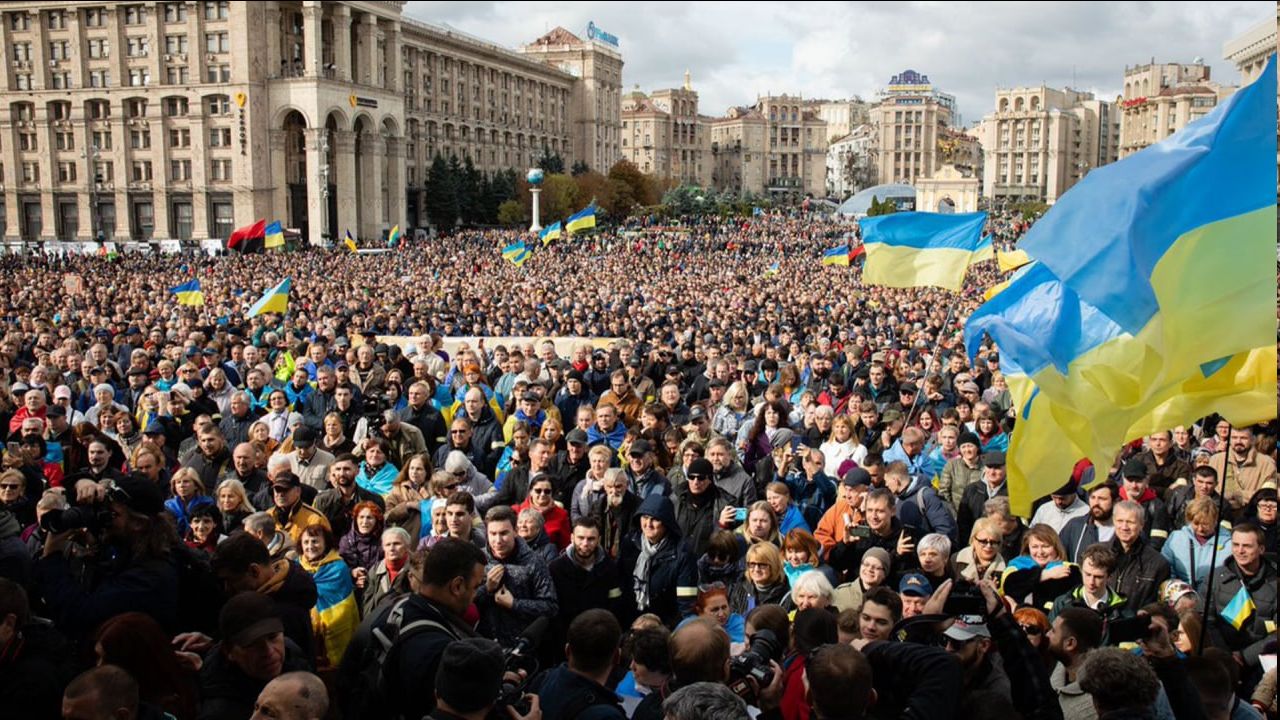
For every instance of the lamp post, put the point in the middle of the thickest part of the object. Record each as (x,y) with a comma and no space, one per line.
(534,178)
(91,155)
(324,189)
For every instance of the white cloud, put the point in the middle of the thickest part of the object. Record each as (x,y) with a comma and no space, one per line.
(738,50)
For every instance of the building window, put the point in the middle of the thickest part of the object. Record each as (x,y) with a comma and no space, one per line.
(217,10)
(102,139)
(139,77)
(218,73)
(135,15)
(60,80)
(183,220)
(178,75)
(66,172)
(95,17)
(175,107)
(179,138)
(144,219)
(22,81)
(141,171)
(99,78)
(135,108)
(57,20)
(104,172)
(175,12)
(30,172)
(138,46)
(22,51)
(140,139)
(19,21)
(27,141)
(179,170)
(99,48)
(223,218)
(59,50)
(219,137)
(218,105)
(65,140)
(221,169)
(216,42)
(175,44)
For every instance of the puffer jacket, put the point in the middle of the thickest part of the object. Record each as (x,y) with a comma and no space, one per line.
(735,481)
(1258,629)
(528,579)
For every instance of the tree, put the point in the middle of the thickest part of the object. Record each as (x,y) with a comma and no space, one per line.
(888,207)
(592,184)
(468,183)
(580,168)
(559,197)
(442,196)
(551,164)
(639,187)
(511,212)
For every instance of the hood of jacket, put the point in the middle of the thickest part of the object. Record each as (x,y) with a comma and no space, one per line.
(660,508)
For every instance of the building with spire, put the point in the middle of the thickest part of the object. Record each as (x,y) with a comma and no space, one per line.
(663,134)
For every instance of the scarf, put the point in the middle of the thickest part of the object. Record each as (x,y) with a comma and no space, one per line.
(647,551)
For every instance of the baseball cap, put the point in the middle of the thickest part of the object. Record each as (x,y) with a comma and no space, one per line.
(697,413)
(908,387)
(915,585)
(968,627)
(781,438)
(62,391)
(716,383)
(248,617)
(287,479)
(635,362)
(56,411)
(700,467)
(967,387)
(855,477)
(304,437)
(640,447)
(576,437)
(672,370)
(993,458)
(470,674)
(1134,468)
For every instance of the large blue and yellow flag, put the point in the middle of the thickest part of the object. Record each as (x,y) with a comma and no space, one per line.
(274,235)
(549,233)
(584,219)
(1117,329)
(1012,259)
(773,269)
(986,250)
(836,256)
(516,253)
(275,301)
(917,249)
(335,616)
(189,293)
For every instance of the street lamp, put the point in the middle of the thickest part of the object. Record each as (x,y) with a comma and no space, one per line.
(324,188)
(92,155)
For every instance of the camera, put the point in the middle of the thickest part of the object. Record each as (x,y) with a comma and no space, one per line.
(372,406)
(92,518)
(522,656)
(1128,630)
(965,599)
(753,664)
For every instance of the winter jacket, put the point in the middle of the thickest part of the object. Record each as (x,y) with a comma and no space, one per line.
(379,586)
(813,498)
(651,482)
(971,505)
(150,587)
(1138,573)
(527,578)
(293,591)
(1189,558)
(429,422)
(1259,627)
(735,481)
(698,516)
(747,596)
(1078,534)
(337,509)
(361,551)
(579,588)
(672,577)
(486,440)
(1113,607)
(227,693)
(567,695)
(920,507)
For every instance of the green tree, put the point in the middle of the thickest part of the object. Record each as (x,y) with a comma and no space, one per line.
(511,212)
(442,195)
(559,197)
(469,192)
(888,207)
(580,168)
(639,189)
(551,164)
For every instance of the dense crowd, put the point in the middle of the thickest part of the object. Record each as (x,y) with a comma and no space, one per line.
(776,494)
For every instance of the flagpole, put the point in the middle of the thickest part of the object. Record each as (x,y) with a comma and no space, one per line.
(937,347)
(1213,558)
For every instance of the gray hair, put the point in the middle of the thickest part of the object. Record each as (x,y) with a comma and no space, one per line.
(704,700)
(260,522)
(998,505)
(532,514)
(1131,507)
(398,531)
(457,461)
(935,541)
(814,582)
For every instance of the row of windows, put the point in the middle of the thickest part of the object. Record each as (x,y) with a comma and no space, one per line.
(214,105)
(139,171)
(142,225)
(96,17)
(137,77)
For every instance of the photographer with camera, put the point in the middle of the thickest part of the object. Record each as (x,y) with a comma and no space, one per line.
(469,682)
(119,540)
(579,689)
(401,440)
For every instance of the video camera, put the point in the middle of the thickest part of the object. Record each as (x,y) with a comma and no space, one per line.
(520,657)
(85,517)
(753,664)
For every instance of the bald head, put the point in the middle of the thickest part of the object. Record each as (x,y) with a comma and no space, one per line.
(292,696)
(700,652)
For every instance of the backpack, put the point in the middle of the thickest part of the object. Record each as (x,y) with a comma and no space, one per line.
(372,691)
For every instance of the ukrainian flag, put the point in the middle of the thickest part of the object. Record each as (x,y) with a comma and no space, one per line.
(1117,330)
(773,269)
(836,256)
(985,251)
(918,249)
(275,301)
(189,293)
(516,253)
(584,219)
(549,233)
(393,237)
(1240,609)
(335,616)
(350,242)
(274,235)
(1012,260)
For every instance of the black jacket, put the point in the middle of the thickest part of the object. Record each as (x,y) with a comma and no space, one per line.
(486,439)
(565,695)
(294,595)
(698,516)
(579,588)
(1253,635)
(34,669)
(1078,534)
(226,693)
(672,582)
(971,506)
(1138,573)
(430,422)
(411,668)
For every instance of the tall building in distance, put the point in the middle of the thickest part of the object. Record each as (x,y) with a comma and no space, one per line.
(663,134)
(1249,50)
(851,162)
(183,120)
(841,116)
(596,100)
(776,147)
(909,117)
(1040,141)
(1162,98)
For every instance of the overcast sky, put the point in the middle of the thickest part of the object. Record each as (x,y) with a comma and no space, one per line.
(736,50)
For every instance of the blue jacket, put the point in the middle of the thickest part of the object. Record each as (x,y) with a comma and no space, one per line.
(813,498)
(920,507)
(792,519)
(673,570)
(182,512)
(1189,558)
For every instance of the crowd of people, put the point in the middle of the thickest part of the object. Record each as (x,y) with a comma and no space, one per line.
(776,494)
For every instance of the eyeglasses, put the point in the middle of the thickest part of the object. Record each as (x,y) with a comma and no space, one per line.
(457,432)
(757,566)
(699,478)
(986,541)
(1032,629)
(543,491)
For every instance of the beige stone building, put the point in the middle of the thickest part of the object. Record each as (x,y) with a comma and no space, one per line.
(910,117)
(841,116)
(663,134)
(596,98)
(1162,98)
(1040,141)
(775,147)
(851,162)
(1249,50)
(184,120)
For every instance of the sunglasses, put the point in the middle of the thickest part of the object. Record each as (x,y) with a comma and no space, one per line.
(1032,629)
(9,486)
(986,541)
(541,492)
